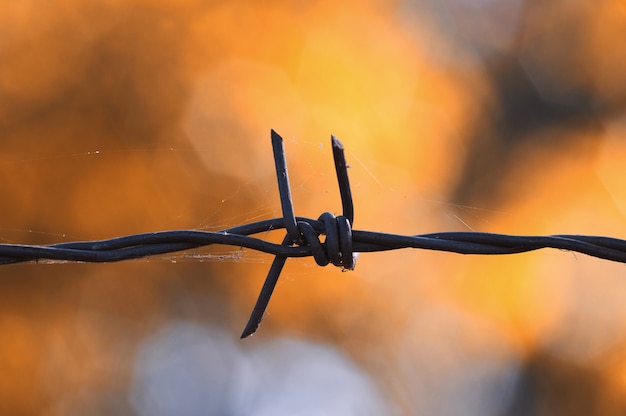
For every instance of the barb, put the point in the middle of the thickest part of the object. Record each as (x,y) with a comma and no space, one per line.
(303,239)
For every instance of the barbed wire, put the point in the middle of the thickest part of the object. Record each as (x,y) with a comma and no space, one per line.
(302,239)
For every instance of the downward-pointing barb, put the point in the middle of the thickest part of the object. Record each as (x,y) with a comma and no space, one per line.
(266,293)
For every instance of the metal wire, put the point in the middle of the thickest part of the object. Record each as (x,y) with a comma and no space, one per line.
(302,239)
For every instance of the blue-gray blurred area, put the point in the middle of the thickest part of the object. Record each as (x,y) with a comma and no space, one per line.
(190,369)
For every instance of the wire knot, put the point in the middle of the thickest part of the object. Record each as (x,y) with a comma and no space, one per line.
(337,248)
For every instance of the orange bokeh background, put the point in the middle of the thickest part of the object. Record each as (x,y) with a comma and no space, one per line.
(121,117)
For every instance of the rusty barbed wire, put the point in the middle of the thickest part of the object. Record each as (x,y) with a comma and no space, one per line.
(302,239)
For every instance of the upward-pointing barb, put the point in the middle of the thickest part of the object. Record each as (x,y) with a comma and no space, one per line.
(342,177)
(284,189)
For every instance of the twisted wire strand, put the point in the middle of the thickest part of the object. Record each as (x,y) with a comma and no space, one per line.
(340,244)
(163,242)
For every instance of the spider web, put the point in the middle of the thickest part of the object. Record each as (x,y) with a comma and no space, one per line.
(313,186)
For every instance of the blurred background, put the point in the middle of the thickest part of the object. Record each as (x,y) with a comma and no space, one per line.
(120,117)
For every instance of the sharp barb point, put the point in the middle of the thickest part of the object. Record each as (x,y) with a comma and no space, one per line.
(336,142)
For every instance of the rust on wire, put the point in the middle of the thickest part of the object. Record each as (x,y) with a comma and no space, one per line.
(302,239)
